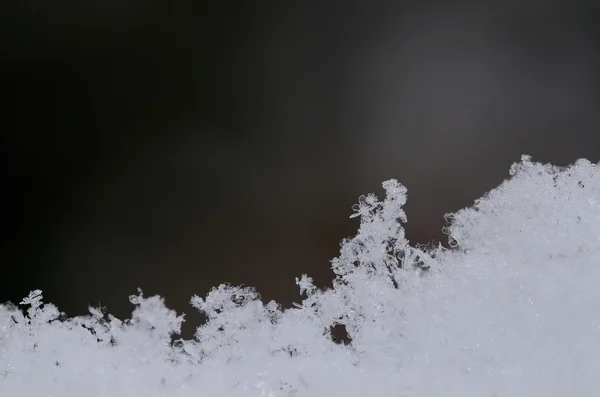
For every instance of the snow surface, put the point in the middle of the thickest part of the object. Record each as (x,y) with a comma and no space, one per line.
(508,311)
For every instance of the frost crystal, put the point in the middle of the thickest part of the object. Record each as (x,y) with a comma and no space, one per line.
(508,311)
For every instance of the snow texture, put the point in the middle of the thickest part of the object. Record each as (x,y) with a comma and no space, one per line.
(508,311)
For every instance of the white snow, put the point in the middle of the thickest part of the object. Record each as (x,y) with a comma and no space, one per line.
(509,311)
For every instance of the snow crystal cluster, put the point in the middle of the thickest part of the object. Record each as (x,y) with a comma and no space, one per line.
(507,311)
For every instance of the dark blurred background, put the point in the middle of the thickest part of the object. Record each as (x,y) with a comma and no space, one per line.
(177,145)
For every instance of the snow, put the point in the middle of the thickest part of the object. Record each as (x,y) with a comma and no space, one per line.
(508,311)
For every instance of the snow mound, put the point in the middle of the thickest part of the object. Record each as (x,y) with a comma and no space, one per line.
(507,311)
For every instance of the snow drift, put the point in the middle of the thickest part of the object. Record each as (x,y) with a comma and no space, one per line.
(507,311)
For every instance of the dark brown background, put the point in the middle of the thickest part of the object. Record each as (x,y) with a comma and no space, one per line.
(174,146)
